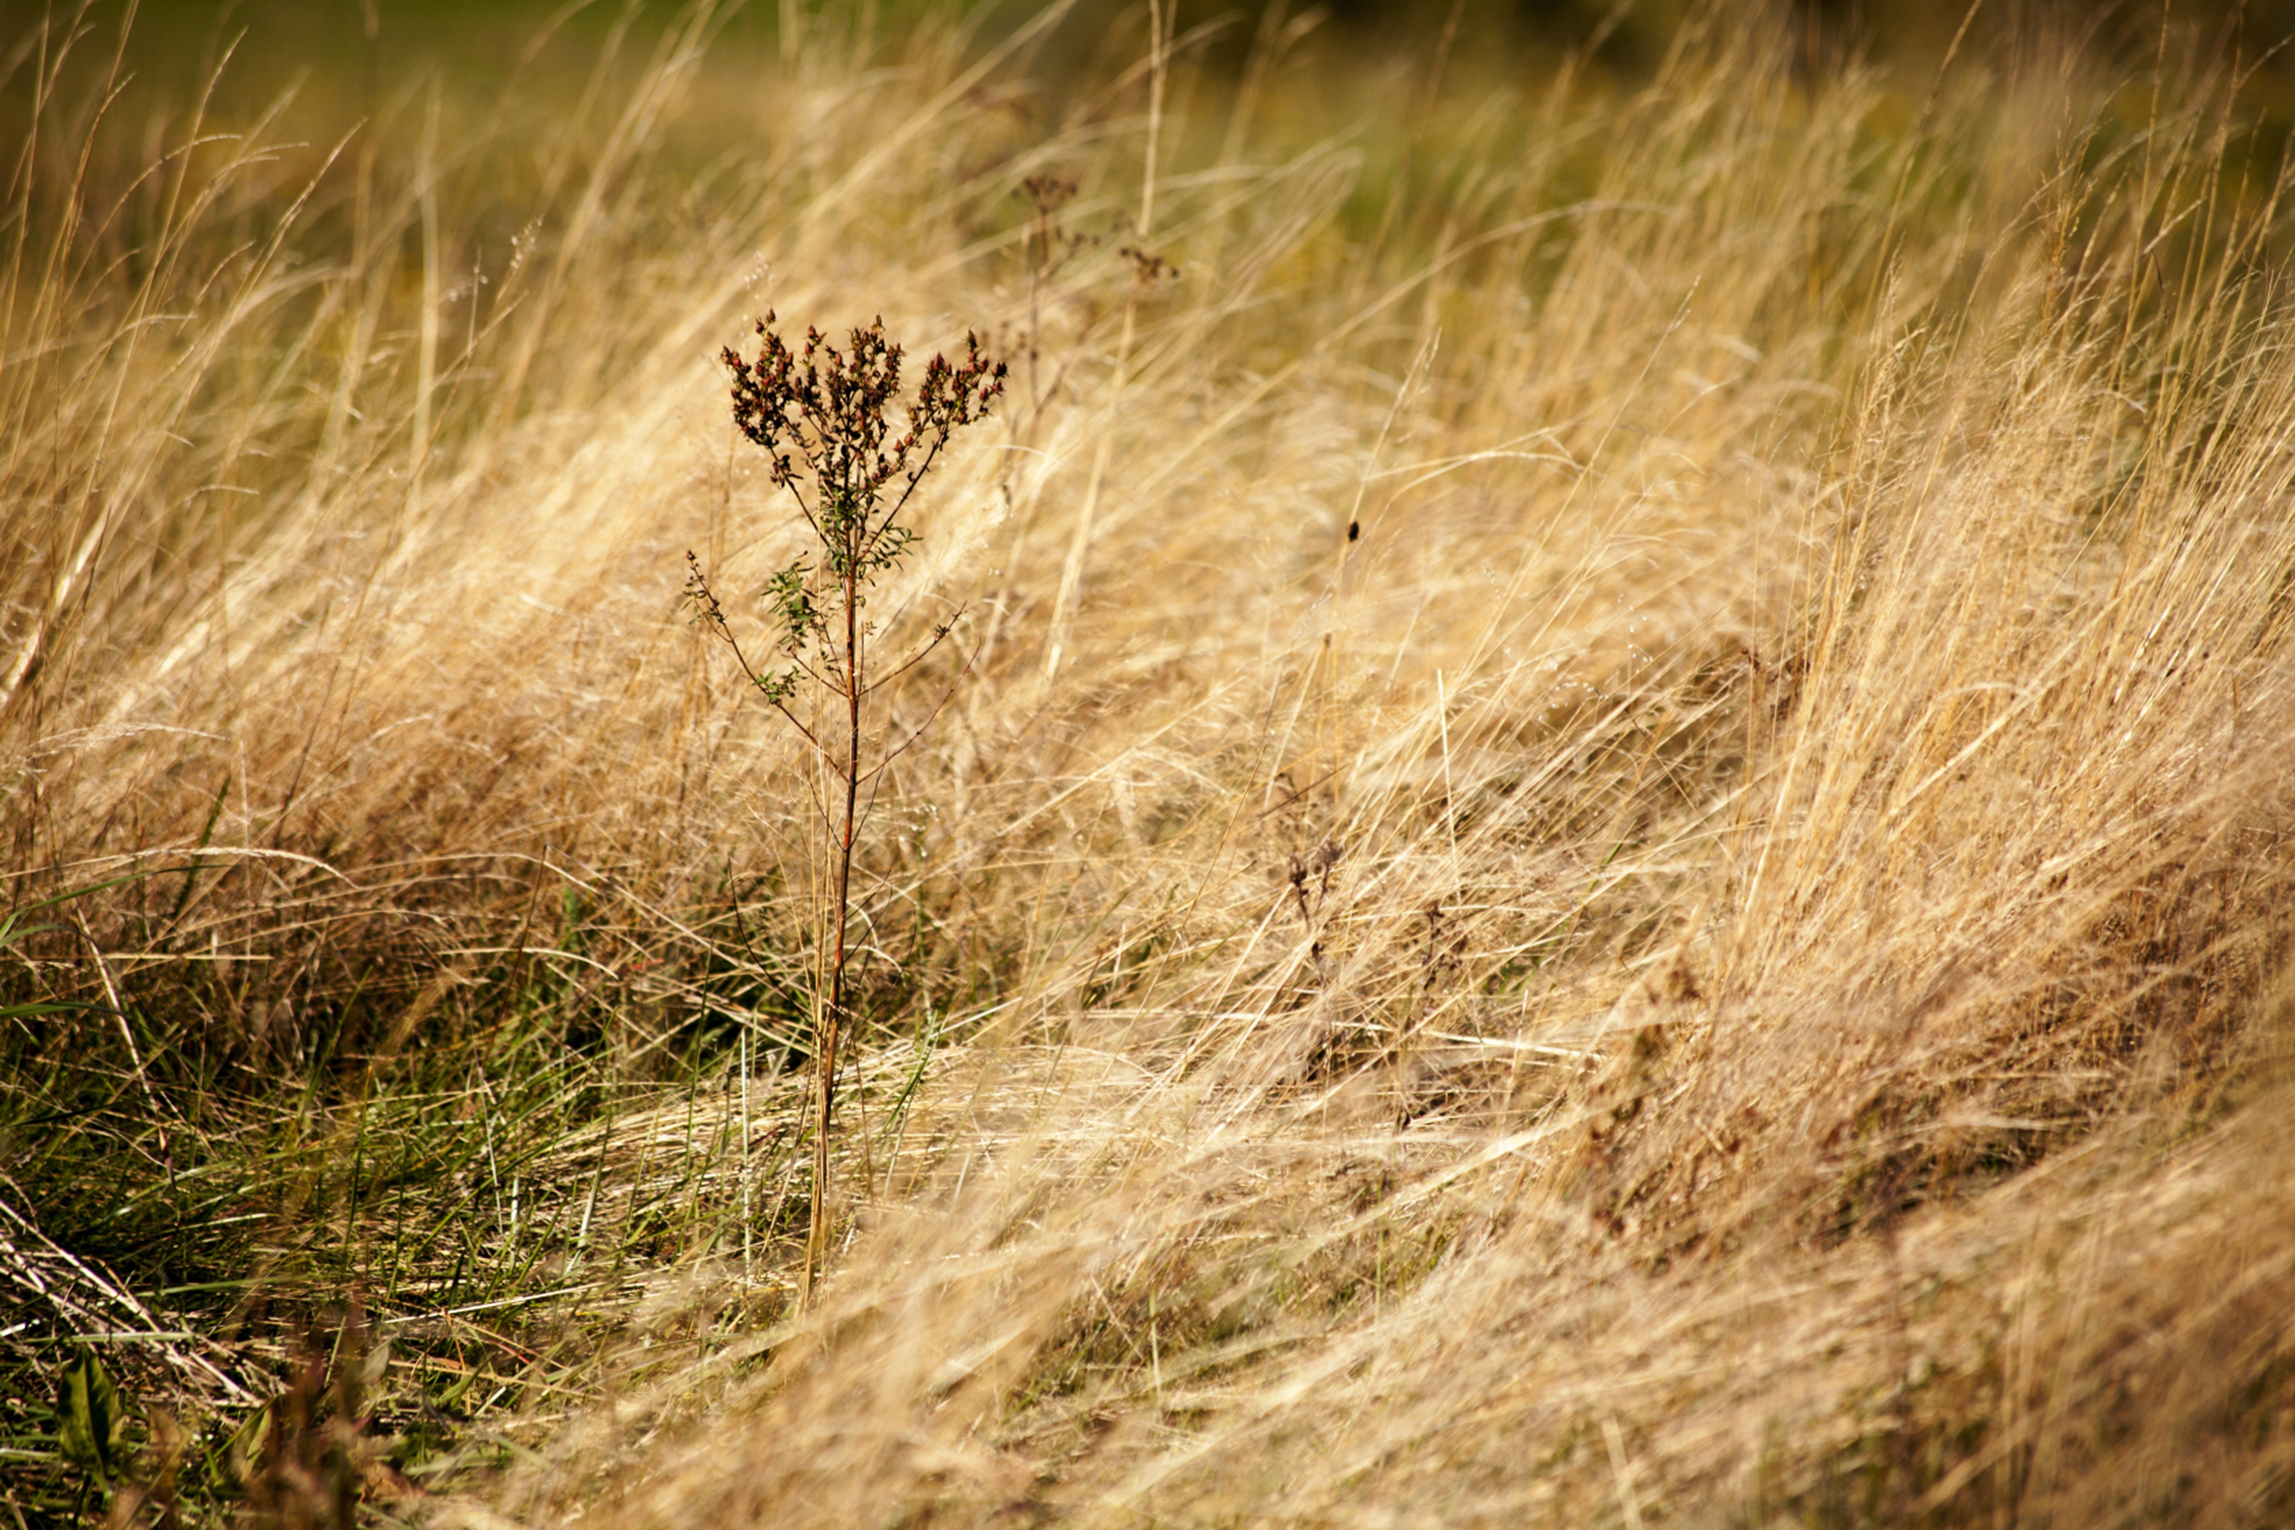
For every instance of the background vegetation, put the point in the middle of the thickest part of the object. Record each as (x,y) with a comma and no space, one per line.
(1614,851)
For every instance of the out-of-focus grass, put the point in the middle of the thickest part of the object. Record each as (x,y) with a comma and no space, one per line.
(1613,849)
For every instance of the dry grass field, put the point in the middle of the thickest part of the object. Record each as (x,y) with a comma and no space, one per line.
(1609,844)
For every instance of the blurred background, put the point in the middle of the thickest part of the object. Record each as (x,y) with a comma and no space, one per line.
(478,41)
(322,68)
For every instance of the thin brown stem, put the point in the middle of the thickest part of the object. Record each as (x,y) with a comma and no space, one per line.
(831,1023)
(939,635)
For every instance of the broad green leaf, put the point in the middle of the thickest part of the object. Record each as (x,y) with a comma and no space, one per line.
(91,1420)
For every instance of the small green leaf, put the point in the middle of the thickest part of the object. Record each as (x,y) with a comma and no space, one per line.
(234,1465)
(26,1011)
(91,1419)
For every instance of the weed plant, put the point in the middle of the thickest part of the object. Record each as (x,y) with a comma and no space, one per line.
(833,411)
(1614,850)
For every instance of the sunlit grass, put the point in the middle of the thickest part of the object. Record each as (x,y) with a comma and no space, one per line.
(1611,847)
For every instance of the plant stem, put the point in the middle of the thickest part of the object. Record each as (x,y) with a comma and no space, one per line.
(831,1022)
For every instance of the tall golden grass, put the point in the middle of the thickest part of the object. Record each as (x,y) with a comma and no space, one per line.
(1614,850)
